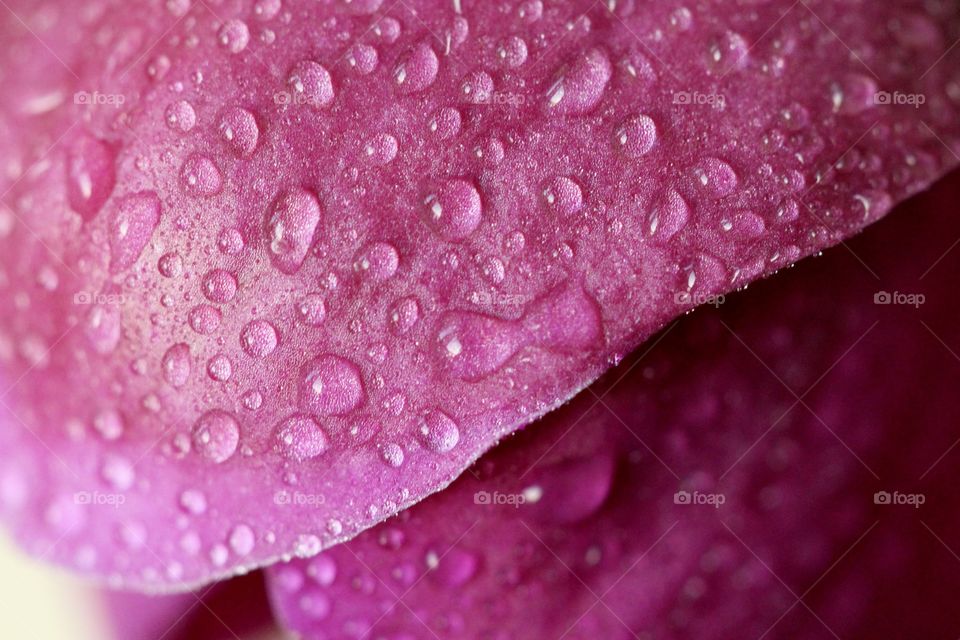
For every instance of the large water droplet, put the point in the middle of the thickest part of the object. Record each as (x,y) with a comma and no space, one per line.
(311,84)
(581,85)
(455,211)
(91,175)
(239,130)
(330,385)
(200,177)
(417,70)
(291,224)
(259,338)
(219,286)
(636,136)
(133,223)
(377,261)
(300,437)
(176,365)
(439,432)
(216,435)
(234,35)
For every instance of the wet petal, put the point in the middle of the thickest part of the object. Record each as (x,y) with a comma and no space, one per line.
(273,276)
(764,451)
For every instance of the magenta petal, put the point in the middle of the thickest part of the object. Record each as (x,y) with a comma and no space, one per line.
(700,488)
(275,272)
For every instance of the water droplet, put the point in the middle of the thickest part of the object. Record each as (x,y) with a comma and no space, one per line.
(176,365)
(204,319)
(417,70)
(363,58)
(564,196)
(477,88)
(404,315)
(381,150)
(455,211)
(636,136)
(512,52)
(219,286)
(377,261)
(109,424)
(311,84)
(714,177)
(315,605)
(193,501)
(312,310)
(242,540)
(118,473)
(300,437)
(91,175)
(170,265)
(266,9)
(668,216)
(853,94)
(239,130)
(581,85)
(200,177)
(216,435)
(180,116)
(133,223)
(472,346)
(392,454)
(102,327)
(291,224)
(728,53)
(259,338)
(439,432)
(330,385)
(446,123)
(234,35)
(220,368)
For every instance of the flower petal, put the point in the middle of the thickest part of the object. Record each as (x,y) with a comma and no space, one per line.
(700,488)
(276,272)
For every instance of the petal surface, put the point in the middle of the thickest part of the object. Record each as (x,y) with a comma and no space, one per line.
(763,470)
(274,271)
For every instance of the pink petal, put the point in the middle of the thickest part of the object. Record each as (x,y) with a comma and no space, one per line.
(697,490)
(462,215)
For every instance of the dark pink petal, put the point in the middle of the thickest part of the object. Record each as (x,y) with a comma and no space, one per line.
(274,272)
(230,610)
(707,483)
